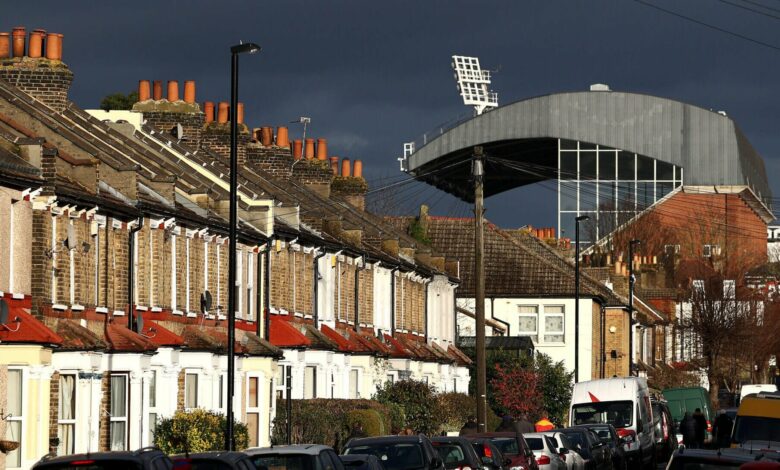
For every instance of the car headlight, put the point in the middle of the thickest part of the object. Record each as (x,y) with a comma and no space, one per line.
(519,467)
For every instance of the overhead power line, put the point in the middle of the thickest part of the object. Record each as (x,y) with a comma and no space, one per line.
(728,2)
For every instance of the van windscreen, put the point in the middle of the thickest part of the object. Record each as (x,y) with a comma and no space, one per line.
(755,428)
(616,413)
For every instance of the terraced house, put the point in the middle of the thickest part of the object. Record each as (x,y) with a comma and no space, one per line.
(113,265)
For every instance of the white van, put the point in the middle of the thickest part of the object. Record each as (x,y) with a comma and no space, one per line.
(755,389)
(624,403)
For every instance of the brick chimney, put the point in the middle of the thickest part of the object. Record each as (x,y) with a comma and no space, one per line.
(47,78)
(350,185)
(216,134)
(167,113)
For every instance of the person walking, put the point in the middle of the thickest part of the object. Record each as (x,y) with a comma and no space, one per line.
(544,424)
(522,425)
(700,427)
(688,430)
(722,429)
(357,431)
(470,428)
(506,424)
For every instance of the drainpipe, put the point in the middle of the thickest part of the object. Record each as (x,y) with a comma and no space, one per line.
(392,300)
(493,316)
(267,290)
(131,323)
(316,313)
(260,298)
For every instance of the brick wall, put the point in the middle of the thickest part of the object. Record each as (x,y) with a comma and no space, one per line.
(54,404)
(216,137)
(366,293)
(116,281)
(41,263)
(192,124)
(104,437)
(46,80)
(276,161)
(596,341)
(617,341)
(180,391)
(281,279)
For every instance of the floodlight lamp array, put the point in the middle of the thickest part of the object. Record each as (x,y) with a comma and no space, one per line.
(473,83)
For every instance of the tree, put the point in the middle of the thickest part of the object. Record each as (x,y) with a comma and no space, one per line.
(119,101)
(555,385)
(418,401)
(517,390)
(197,431)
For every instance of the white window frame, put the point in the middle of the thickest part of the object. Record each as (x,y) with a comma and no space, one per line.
(153,412)
(67,422)
(257,409)
(729,289)
(173,272)
(187,378)
(671,249)
(72,268)
(249,285)
(354,386)
(19,452)
(562,315)
(120,419)
(535,315)
(187,304)
(710,250)
(313,369)
(239,287)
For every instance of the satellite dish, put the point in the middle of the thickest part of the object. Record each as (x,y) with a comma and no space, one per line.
(205,302)
(70,242)
(3,312)
(139,321)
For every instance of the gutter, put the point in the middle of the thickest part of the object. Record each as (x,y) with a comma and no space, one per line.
(131,323)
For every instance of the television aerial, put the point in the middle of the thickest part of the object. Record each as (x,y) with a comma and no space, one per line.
(474,84)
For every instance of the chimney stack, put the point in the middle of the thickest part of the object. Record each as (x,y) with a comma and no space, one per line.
(334,165)
(173,90)
(208,111)
(308,151)
(297,149)
(157,90)
(144,90)
(189,91)
(5,45)
(322,149)
(240,113)
(282,137)
(54,46)
(222,112)
(357,169)
(346,168)
(267,136)
(18,37)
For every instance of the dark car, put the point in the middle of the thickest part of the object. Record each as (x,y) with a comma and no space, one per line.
(361,462)
(147,458)
(457,453)
(218,460)
(398,452)
(723,459)
(664,432)
(608,435)
(489,454)
(514,447)
(295,457)
(597,455)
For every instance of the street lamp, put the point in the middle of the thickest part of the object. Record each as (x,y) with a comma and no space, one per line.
(631,305)
(242,48)
(577,296)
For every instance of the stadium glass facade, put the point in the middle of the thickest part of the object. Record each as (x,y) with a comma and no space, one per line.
(609,185)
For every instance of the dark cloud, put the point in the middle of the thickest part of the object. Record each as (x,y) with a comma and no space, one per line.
(373,75)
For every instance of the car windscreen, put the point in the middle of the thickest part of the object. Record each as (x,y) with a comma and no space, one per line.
(616,413)
(603,434)
(580,443)
(207,464)
(282,461)
(452,453)
(90,464)
(394,456)
(535,443)
(507,445)
(355,464)
(755,428)
(693,463)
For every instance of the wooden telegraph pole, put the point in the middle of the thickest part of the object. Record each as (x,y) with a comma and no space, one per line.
(479,285)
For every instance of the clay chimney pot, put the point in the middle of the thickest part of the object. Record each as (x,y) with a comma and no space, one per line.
(208,111)
(322,149)
(5,45)
(240,113)
(173,90)
(308,150)
(282,137)
(297,149)
(18,41)
(346,168)
(189,91)
(267,136)
(357,169)
(157,90)
(144,90)
(334,165)
(53,46)
(222,112)
(35,48)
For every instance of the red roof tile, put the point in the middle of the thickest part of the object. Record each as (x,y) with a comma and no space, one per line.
(120,338)
(283,334)
(343,343)
(372,342)
(27,330)
(74,336)
(397,349)
(160,335)
(461,358)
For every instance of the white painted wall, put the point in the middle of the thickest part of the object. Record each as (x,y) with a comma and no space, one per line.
(382,298)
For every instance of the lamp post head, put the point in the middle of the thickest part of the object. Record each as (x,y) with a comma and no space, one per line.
(582,217)
(245,47)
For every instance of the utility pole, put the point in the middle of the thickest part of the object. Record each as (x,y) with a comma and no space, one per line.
(631,305)
(577,296)
(479,286)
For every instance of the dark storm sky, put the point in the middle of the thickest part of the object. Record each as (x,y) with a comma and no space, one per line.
(373,74)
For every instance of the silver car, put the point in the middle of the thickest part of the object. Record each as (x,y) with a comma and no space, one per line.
(573,459)
(545,450)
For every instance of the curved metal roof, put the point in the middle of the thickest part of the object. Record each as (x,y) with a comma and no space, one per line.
(709,146)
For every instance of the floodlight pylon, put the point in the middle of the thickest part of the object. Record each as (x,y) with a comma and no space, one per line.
(474,84)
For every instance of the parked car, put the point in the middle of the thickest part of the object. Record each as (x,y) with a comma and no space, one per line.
(218,460)
(457,453)
(148,458)
(489,454)
(567,450)
(663,430)
(547,454)
(591,449)
(623,402)
(687,399)
(723,459)
(514,447)
(295,457)
(607,434)
(361,462)
(398,452)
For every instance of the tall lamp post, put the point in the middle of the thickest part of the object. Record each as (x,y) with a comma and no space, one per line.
(577,296)
(242,48)
(631,305)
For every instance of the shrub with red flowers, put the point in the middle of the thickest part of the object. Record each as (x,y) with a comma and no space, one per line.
(517,390)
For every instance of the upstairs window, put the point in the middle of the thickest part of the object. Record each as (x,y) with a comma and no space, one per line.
(553,324)
(709,251)
(529,321)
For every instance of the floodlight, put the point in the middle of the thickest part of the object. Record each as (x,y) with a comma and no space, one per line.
(473,84)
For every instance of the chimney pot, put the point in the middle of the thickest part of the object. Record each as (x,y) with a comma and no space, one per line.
(267,136)
(309,150)
(334,165)
(143,90)
(157,90)
(208,110)
(297,149)
(189,91)
(222,112)
(282,137)
(322,149)
(173,90)
(5,45)
(54,46)
(357,169)
(18,40)
(346,168)
(35,48)
(240,113)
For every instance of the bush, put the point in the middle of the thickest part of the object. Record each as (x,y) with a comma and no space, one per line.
(455,408)
(372,422)
(197,431)
(418,401)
